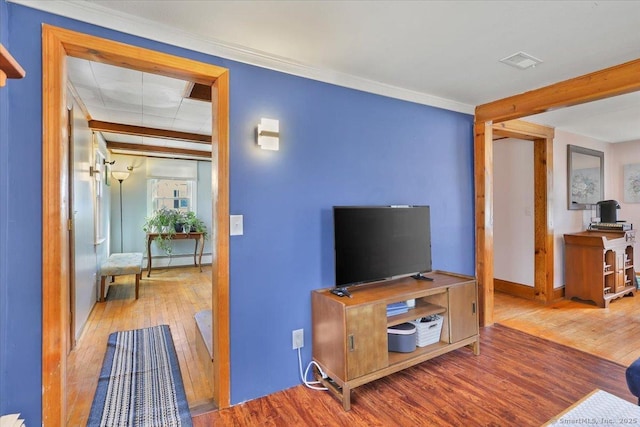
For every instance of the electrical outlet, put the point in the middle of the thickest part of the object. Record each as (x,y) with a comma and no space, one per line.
(298,338)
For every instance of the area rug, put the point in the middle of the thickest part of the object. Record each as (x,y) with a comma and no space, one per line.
(140,384)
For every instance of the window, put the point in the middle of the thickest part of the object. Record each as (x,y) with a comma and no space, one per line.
(176,194)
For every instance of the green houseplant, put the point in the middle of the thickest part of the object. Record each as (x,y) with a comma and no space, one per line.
(194,224)
(162,222)
(166,222)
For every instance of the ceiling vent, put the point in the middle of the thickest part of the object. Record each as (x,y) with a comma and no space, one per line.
(521,60)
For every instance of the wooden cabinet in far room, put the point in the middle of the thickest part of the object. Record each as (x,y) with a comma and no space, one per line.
(599,265)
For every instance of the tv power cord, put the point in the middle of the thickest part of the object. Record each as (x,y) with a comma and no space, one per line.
(310,384)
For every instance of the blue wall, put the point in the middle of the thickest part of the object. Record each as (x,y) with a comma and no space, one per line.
(338,147)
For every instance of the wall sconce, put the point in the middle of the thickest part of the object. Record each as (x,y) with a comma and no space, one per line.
(269,134)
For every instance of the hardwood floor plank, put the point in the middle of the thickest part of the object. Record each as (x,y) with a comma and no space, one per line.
(165,298)
(519,378)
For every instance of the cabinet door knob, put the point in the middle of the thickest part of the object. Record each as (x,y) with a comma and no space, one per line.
(473,307)
(351,342)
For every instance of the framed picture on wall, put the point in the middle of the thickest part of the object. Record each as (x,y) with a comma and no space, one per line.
(632,183)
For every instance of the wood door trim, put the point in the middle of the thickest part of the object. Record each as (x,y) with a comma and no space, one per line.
(613,81)
(57,43)
(72,233)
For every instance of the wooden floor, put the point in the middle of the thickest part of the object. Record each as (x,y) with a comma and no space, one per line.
(612,333)
(169,296)
(523,376)
(517,380)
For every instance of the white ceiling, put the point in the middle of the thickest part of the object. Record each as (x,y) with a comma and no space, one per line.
(444,53)
(123,96)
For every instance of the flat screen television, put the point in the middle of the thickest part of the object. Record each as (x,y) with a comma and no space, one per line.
(379,242)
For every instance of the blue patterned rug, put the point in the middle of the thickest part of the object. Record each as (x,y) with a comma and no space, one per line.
(140,382)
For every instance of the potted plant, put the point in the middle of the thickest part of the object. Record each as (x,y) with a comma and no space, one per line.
(162,222)
(194,224)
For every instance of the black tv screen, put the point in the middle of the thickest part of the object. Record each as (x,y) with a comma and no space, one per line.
(379,242)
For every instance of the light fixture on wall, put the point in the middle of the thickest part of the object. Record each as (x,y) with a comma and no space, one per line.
(120,176)
(269,134)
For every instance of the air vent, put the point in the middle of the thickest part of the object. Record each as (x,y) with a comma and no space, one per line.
(521,60)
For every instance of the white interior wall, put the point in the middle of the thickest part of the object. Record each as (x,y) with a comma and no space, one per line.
(625,153)
(565,220)
(85,250)
(513,201)
(513,220)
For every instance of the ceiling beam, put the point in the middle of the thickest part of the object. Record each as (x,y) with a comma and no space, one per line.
(522,130)
(612,81)
(150,132)
(199,91)
(157,149)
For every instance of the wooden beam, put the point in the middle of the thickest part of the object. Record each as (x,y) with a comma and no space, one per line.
(543,219)
(137,58)
(220,234)
(157,149)
(199,92)
(613,81)
(520,129)
(55,241)
(483,163)
(150,132)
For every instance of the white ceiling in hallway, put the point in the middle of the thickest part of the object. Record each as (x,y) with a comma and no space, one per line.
(129,97)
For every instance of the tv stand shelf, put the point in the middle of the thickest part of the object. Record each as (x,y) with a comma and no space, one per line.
(422,309)
(350,334)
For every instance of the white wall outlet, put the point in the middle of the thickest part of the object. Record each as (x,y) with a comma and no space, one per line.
(235,225)
(298,338)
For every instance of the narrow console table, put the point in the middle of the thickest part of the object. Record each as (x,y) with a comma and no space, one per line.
(198,237)
(598,265)
(350,334)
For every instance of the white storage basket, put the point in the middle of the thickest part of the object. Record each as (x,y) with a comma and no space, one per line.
(428,332)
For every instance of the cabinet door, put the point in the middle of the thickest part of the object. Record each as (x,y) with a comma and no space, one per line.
(620,254)
(463,311)
(366,339)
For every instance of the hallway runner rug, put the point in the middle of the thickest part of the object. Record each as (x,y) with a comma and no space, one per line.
(140,384)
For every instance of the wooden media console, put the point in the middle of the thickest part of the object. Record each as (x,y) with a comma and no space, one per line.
(350,334)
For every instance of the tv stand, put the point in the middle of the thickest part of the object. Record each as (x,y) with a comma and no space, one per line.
(350,334)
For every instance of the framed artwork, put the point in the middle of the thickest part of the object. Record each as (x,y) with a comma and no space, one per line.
(632,183)
(585,177)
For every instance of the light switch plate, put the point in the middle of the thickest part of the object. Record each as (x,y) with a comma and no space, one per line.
(235,225)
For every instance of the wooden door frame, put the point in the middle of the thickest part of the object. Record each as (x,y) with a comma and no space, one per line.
(72,234)
(542,139)
(613,81)
(57,44)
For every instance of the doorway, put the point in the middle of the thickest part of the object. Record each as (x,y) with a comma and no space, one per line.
(57,45)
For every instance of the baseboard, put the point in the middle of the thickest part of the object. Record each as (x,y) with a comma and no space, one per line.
(523,291)
(515,289)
